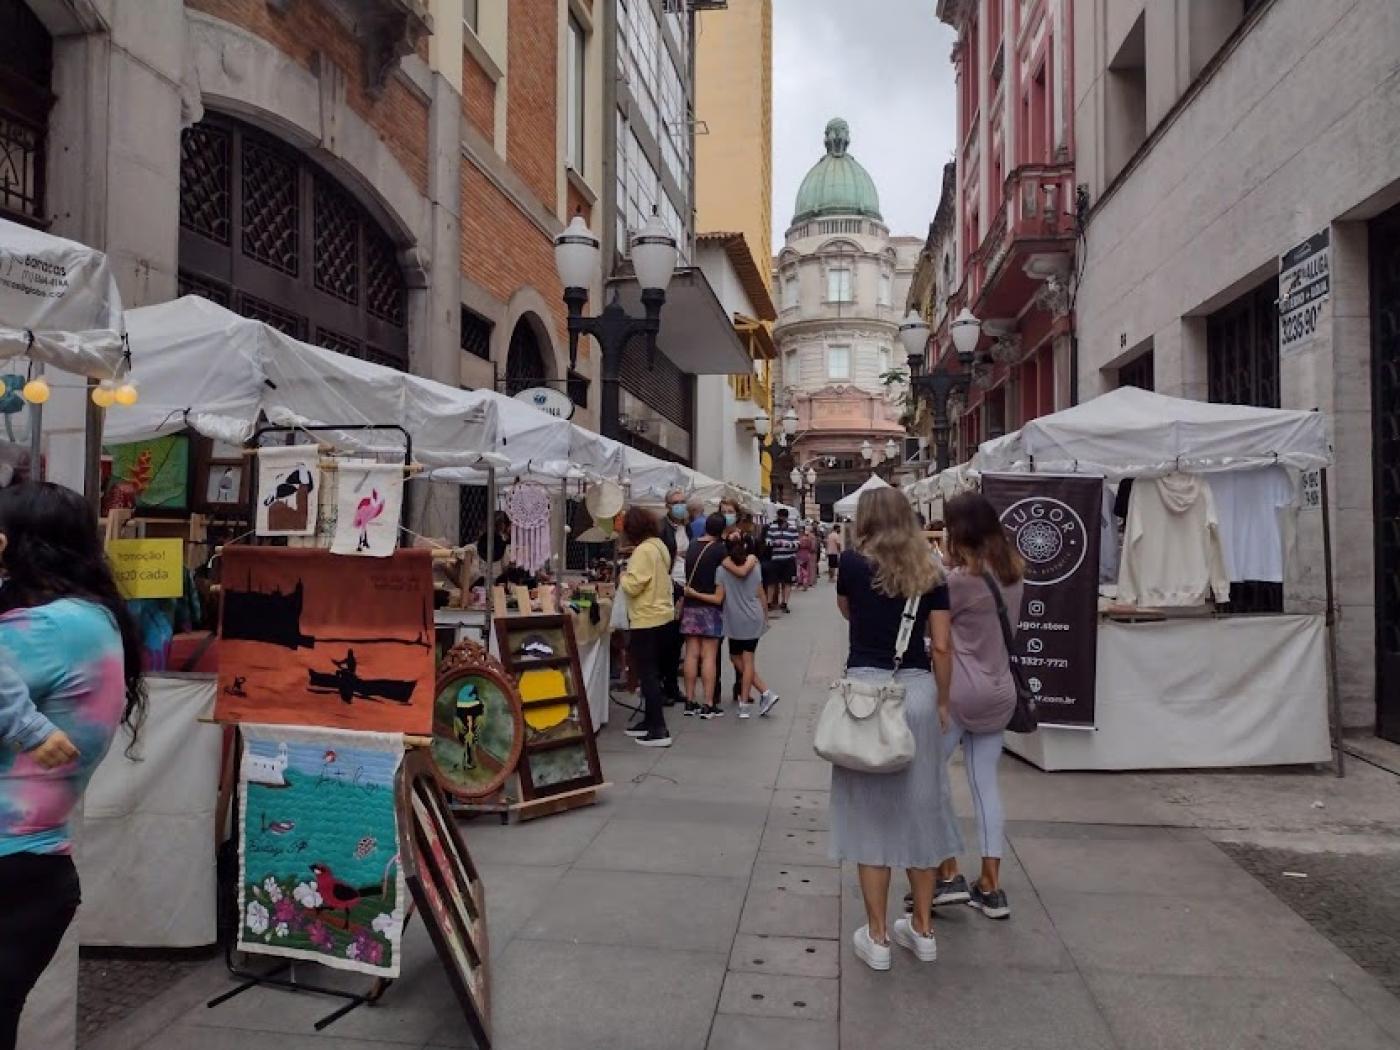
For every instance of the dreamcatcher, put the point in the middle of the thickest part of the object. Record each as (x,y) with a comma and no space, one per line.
(527,504)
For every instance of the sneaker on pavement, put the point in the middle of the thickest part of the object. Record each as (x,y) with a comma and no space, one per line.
(705,712)
(925,949)
(876,956)
(691,708)
(716,711)
(991,903)
(636,731)
(745,709)
(951,891)
(767,702)
(655,738)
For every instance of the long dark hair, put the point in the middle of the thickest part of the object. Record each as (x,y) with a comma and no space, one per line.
(976,540)
(53,551)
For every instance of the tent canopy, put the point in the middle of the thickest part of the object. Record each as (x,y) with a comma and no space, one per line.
(207,368)
(58,303)
(845,507)
(1137,433)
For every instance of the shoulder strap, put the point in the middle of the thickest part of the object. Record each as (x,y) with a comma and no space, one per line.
(907,620)
(1001,612)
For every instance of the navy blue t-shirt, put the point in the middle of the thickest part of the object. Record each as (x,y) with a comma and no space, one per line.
(874,626)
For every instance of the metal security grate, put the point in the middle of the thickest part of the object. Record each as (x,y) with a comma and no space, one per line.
(336,222)
(1139,372)
(271,220)
(1384,248)
(476,334)
(206,178)
(1242,350)
(26,71)
(341,344)
(285,321)
(191,284)
(384,283)
(664,386)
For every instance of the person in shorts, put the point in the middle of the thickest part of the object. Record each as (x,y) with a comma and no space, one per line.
(783,538)
(745,619)
(833,551)
(702,617)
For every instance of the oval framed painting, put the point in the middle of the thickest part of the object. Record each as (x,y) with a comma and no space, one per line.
(478,725)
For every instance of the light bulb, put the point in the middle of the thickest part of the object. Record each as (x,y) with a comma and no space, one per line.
(127,394)
(103,396)
(36,391)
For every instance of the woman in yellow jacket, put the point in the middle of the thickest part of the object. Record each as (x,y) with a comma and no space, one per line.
(650,608)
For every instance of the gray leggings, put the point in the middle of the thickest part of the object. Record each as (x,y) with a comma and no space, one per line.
(981,752)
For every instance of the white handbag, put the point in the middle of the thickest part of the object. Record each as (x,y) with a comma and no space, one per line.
(862,726)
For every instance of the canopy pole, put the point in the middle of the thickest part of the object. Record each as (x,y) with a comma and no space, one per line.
(93,420)
(1334,698)
(36,429)
(561,545)
(491,513)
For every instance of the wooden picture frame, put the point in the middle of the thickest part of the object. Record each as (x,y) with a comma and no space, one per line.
(473,686)
(447,888)
(222,483)
(543,650)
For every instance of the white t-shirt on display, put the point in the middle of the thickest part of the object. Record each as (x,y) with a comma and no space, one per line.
(1247,503)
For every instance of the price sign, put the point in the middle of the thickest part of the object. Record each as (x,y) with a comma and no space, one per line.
(1304,288)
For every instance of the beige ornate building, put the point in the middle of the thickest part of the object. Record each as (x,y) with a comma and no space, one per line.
(841,281)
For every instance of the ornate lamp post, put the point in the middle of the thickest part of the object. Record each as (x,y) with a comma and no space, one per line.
(576,257)
(938,386)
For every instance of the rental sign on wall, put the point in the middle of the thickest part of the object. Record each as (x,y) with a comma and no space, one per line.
(1304,288)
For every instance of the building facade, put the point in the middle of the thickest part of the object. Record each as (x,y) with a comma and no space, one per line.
(1212,139)
(1014,217)
(841,283)
(734,197)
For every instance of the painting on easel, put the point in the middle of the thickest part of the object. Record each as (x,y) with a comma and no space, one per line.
(310,638)
(478,731)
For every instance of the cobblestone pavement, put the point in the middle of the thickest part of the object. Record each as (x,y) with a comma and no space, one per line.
(113,987)
(1353,900)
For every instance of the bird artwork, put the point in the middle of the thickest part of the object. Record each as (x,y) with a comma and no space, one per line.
(465,720)
(340,896)
(288,479)
(367,511)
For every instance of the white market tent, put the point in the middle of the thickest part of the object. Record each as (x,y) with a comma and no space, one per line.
(845,507)
(58,303)
(1137,433)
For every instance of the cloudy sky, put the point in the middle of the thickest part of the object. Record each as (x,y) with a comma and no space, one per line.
(884,66)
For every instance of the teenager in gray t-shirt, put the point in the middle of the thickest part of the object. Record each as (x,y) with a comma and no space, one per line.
(745,617)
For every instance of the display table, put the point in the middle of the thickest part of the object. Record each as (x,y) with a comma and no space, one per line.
(1195,693)
(148,826)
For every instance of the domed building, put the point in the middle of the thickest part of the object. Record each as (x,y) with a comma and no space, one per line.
(841,280)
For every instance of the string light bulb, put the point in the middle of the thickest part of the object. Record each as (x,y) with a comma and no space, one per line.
(104,395)
(127,394)
(36,391)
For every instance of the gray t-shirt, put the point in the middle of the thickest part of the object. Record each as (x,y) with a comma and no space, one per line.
(743,603)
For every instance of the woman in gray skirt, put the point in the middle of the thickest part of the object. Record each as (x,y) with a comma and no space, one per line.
(903,819)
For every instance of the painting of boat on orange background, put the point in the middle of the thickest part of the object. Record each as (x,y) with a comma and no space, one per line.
(312,638)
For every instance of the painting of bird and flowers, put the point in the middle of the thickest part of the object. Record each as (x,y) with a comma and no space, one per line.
(320,877)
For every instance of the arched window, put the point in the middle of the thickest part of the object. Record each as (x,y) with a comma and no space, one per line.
(272,236)
(525,364)
(26,69)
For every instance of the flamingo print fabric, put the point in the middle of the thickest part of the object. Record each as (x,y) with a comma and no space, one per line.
(318,847)
(368,502)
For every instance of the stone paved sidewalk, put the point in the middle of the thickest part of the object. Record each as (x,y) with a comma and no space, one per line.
(696,908)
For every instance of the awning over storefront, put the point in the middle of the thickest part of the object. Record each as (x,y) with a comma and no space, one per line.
(696,334)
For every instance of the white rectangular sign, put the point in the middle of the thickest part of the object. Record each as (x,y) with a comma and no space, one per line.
(1304,290)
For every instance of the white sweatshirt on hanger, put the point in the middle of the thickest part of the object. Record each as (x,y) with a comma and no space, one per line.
(1172,557)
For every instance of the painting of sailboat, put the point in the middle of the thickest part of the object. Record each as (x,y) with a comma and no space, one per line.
(309,638)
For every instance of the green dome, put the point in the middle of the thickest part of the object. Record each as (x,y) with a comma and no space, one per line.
(837,184)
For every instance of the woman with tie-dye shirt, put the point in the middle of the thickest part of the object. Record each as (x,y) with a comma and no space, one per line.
(70,665)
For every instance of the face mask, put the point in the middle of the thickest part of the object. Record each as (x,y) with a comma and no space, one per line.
(730,519)
(678,511)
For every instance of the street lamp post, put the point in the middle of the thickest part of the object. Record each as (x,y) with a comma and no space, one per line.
(775,444)
(577,258)
(937,386)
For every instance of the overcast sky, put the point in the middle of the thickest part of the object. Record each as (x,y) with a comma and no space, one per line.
(884,66)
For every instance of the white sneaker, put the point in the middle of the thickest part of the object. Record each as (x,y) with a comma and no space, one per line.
(925,949)
(744,709)
(876,956)
(766,703)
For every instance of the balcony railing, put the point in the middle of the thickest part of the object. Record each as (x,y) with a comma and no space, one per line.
(1036,206)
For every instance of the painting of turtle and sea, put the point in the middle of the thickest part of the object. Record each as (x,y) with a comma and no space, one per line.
(312,638)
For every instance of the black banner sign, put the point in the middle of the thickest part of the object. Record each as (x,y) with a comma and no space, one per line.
(1053,521)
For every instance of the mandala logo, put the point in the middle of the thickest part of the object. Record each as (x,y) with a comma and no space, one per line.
(1050,536)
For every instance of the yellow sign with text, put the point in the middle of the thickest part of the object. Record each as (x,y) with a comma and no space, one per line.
(148,568)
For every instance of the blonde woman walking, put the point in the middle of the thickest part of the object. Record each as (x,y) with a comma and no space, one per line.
(903,819)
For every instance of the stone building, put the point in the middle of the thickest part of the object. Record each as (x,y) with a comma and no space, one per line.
(1212,139)
(842,281)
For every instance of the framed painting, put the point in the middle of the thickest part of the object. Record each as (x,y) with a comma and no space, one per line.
(478,729)
(149,476)
(561,753)
(318,848)
(309,638)
(447,888)
(221,480)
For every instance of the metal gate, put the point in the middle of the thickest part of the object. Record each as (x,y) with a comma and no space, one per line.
(1385,387)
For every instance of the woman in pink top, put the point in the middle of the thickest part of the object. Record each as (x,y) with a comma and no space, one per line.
(982,696)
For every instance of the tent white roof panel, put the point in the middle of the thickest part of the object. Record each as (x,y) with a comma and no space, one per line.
(845,507)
